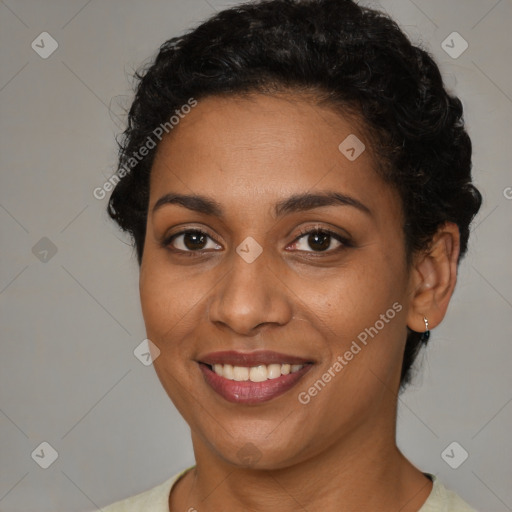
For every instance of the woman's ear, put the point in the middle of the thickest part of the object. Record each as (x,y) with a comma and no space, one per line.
(433,278)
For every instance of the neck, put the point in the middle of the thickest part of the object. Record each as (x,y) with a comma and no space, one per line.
(364,471)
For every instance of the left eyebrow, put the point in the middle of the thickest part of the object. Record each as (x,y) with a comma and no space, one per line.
(308,201)
(295,203)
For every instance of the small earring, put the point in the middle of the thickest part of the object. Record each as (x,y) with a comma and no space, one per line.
(426,335)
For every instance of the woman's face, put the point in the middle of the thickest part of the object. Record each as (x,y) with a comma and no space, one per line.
(317,322)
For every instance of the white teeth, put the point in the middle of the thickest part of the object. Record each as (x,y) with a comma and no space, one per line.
(258,373)
(227,371)
(273,371)
(240,373)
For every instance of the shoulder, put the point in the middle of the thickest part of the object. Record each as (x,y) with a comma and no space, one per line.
(155,499)
(442,499)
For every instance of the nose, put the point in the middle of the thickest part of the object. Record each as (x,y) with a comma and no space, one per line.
(250,296)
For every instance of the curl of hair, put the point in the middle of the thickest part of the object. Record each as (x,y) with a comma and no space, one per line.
(350,57)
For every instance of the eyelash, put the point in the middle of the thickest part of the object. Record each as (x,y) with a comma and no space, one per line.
(345,242)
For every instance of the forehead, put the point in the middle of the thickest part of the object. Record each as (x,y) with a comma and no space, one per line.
(266,147)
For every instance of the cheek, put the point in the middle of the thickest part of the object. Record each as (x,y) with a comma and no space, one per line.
(163,301)
(364,316)
(155,301)
(172,304)
(166,311)
(354,297)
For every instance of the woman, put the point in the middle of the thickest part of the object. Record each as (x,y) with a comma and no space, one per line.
(297,183)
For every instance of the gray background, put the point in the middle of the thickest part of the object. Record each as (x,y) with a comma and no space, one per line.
(70,321)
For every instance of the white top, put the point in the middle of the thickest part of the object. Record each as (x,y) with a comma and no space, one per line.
(157,499)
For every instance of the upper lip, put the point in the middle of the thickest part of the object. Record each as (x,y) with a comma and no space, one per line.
(255,358)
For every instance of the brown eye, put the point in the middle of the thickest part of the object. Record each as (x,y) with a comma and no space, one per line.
(194,240)
(320,241)
(190,241)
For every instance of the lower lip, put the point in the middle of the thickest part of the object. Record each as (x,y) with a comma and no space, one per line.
(247,392)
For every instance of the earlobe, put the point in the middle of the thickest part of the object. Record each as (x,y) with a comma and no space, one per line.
(433,278)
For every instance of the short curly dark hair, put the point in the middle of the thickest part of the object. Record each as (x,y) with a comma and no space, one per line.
(353,58)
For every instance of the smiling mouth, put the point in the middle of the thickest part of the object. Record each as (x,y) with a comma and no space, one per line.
(252,378)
